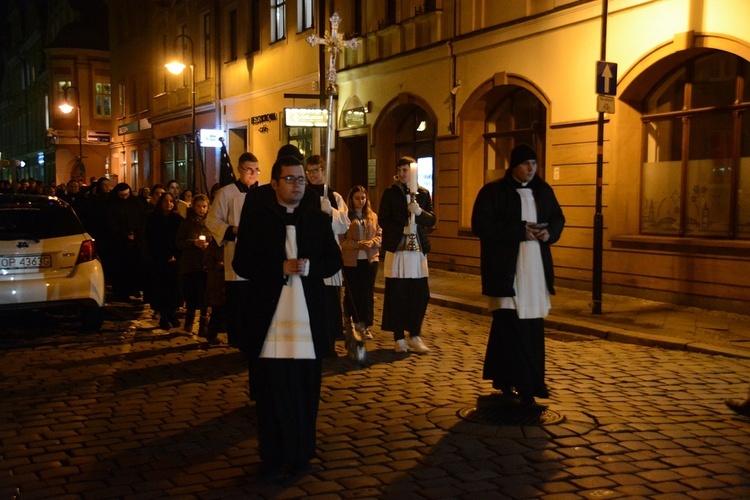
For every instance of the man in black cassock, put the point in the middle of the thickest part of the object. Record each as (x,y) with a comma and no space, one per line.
(285,249)
(517,218)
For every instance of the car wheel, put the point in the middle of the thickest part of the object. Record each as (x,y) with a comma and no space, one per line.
(92,318)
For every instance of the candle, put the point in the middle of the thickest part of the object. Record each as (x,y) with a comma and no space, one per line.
(412,178)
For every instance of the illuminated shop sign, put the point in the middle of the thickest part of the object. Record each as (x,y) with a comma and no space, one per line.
(306,117)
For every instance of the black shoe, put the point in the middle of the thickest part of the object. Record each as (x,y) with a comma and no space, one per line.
(530,403)
(742,408)
(174,321)
(164,324)
(300,469)
(270,473)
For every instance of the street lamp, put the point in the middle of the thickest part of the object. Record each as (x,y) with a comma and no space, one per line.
(177,67)
(66,108)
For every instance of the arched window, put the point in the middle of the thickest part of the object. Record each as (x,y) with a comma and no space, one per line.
(696,163)
(415,137)
(518,117)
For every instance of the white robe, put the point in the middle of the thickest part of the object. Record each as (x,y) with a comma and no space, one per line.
(406,263)
(340,225)
(226,211)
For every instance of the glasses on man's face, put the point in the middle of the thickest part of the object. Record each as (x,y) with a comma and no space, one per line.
(292,179)
(255,171)
(314,171)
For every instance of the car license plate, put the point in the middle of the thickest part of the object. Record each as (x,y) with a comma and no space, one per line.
(25,261)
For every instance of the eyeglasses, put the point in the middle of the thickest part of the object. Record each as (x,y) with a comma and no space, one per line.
(253,170)
(292,179)
(314,171)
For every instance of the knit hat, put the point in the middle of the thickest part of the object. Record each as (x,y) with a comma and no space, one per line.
(520,154)
(290,150)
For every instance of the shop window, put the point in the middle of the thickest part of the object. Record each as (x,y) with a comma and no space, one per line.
(518,117)
(697,159)
(415,137)
(176,161)
(302,137)
(134,170)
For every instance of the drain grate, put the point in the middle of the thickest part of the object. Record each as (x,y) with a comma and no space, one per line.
(495,411)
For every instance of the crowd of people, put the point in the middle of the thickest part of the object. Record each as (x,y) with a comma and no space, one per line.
(267,263)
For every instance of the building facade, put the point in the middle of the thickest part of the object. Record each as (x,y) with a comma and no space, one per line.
(54,53)
(456,84)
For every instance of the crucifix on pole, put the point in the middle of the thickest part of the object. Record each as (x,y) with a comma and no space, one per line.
(333,44)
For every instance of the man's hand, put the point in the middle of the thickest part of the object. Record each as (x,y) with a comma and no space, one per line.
(325,205)
(296,267)
(414,208)
(535,234)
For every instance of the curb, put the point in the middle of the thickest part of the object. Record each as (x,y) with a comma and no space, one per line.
(604,332)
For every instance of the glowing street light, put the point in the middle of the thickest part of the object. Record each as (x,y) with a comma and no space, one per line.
(176,68)
(66,108)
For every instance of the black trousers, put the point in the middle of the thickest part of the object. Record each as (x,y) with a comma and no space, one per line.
(236,305)
(359,290)
(404,305)
(194,290)
(287,399)
(333,307)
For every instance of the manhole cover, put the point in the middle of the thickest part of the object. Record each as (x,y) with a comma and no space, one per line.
(497,413)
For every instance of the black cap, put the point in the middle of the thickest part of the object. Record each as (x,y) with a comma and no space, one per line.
(290,150)
(520,154)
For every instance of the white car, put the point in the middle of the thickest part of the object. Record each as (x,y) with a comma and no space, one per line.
(47,260)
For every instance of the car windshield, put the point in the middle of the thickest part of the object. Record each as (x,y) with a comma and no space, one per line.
(25,221)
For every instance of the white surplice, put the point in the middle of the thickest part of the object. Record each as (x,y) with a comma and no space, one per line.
(532,297)
(290,335)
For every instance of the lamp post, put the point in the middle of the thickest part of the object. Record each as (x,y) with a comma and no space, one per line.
(66,108)
(176,68)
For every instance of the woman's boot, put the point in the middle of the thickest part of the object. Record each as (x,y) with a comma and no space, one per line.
(203,326)
(189,320)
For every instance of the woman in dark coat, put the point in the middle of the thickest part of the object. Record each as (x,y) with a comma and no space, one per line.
(192,239)
(126,219)
(517,218)
(161,233)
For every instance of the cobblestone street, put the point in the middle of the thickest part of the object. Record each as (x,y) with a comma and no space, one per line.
(137,412)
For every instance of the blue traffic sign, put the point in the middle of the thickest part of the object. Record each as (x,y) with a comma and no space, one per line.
(606,78)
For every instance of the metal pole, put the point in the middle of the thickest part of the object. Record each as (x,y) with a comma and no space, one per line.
(80,142)
(328,143)
(194,136)
(598,217)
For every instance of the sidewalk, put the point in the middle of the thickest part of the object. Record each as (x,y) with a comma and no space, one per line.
(623,319)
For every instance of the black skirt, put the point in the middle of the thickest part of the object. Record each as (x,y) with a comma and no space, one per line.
(405,304)
(287,395)
(515,354)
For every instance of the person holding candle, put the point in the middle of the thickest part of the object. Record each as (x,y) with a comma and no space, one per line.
(405,215)
(192,239)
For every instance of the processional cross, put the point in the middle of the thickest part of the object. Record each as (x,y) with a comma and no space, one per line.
(334,44)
